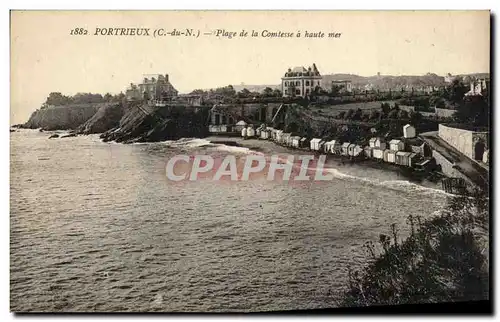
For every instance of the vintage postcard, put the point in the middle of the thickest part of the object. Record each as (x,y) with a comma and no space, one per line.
(248,161)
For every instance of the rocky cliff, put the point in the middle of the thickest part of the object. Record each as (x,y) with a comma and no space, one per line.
(142,123)
(107,117)
(67,117)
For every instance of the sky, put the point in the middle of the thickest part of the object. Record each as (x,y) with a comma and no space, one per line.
(46,58)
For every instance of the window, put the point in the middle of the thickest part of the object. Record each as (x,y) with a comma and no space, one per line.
(307,91)
(307,83)
(286,83)
(297,83)
(297,92)
(286,92)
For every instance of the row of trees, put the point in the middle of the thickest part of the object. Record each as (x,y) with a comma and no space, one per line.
(386,112)
(230,92)
(58,99)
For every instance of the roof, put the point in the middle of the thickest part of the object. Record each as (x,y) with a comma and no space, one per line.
(241,123)
(299,69)
(346,144)
(373,139)
(403,153)
(395,141)
(407,126)
(315,140)
(414,141)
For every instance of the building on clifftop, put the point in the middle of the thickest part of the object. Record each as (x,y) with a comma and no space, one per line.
(154,87)
(300,82)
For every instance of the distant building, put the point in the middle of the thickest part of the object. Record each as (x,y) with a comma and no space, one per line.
(343,86)
(153,87)
(300,82)
(478,87)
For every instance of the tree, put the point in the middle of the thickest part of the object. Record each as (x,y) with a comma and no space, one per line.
(335,91)
(357,115)
(244,93)
(474,110)
(108,97)
(277,93)
(402,114)
(57,99)
(385,107)
(415,118)
(267,92)
(341,115)
(374,114)
(456,91)
(393,114)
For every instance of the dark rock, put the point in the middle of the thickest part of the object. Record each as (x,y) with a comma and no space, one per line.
(106,118)
(53,136)
(142,123)
(69,135)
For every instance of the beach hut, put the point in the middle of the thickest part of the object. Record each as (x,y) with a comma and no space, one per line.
(296,141)
(357,150)
(250,132)
(304,143)
(345,148)
(244,132)
(351,150)
(264,134)
(391,156)
(377,142)
(314,144)
(386,155)
(332,147)
(402,158)
(279,136)
(274,134)
(396,145)
(240,126)
(409,131)
(378,153)
(368,152)
(286,138)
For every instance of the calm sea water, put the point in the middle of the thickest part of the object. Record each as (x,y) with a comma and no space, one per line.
(98,227)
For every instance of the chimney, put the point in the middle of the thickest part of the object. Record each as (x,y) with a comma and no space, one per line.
(166,77)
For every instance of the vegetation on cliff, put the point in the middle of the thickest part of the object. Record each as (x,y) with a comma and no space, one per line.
(444,259)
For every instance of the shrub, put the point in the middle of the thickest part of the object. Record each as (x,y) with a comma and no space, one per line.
(442,260)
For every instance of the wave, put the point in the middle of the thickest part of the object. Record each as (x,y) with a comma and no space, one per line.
(236,149)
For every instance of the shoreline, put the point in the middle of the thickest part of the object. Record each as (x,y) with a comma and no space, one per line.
(268,146)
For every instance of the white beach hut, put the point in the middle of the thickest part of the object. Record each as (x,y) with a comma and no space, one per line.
(296,141)
(409,131)
(250,132)
(315,144)
(396,145)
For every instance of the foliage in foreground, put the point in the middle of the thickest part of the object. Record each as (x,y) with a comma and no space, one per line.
(444,259)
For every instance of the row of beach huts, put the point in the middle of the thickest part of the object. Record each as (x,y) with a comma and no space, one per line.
(408,151)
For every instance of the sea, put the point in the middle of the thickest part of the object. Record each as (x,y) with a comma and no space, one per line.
(98,227)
